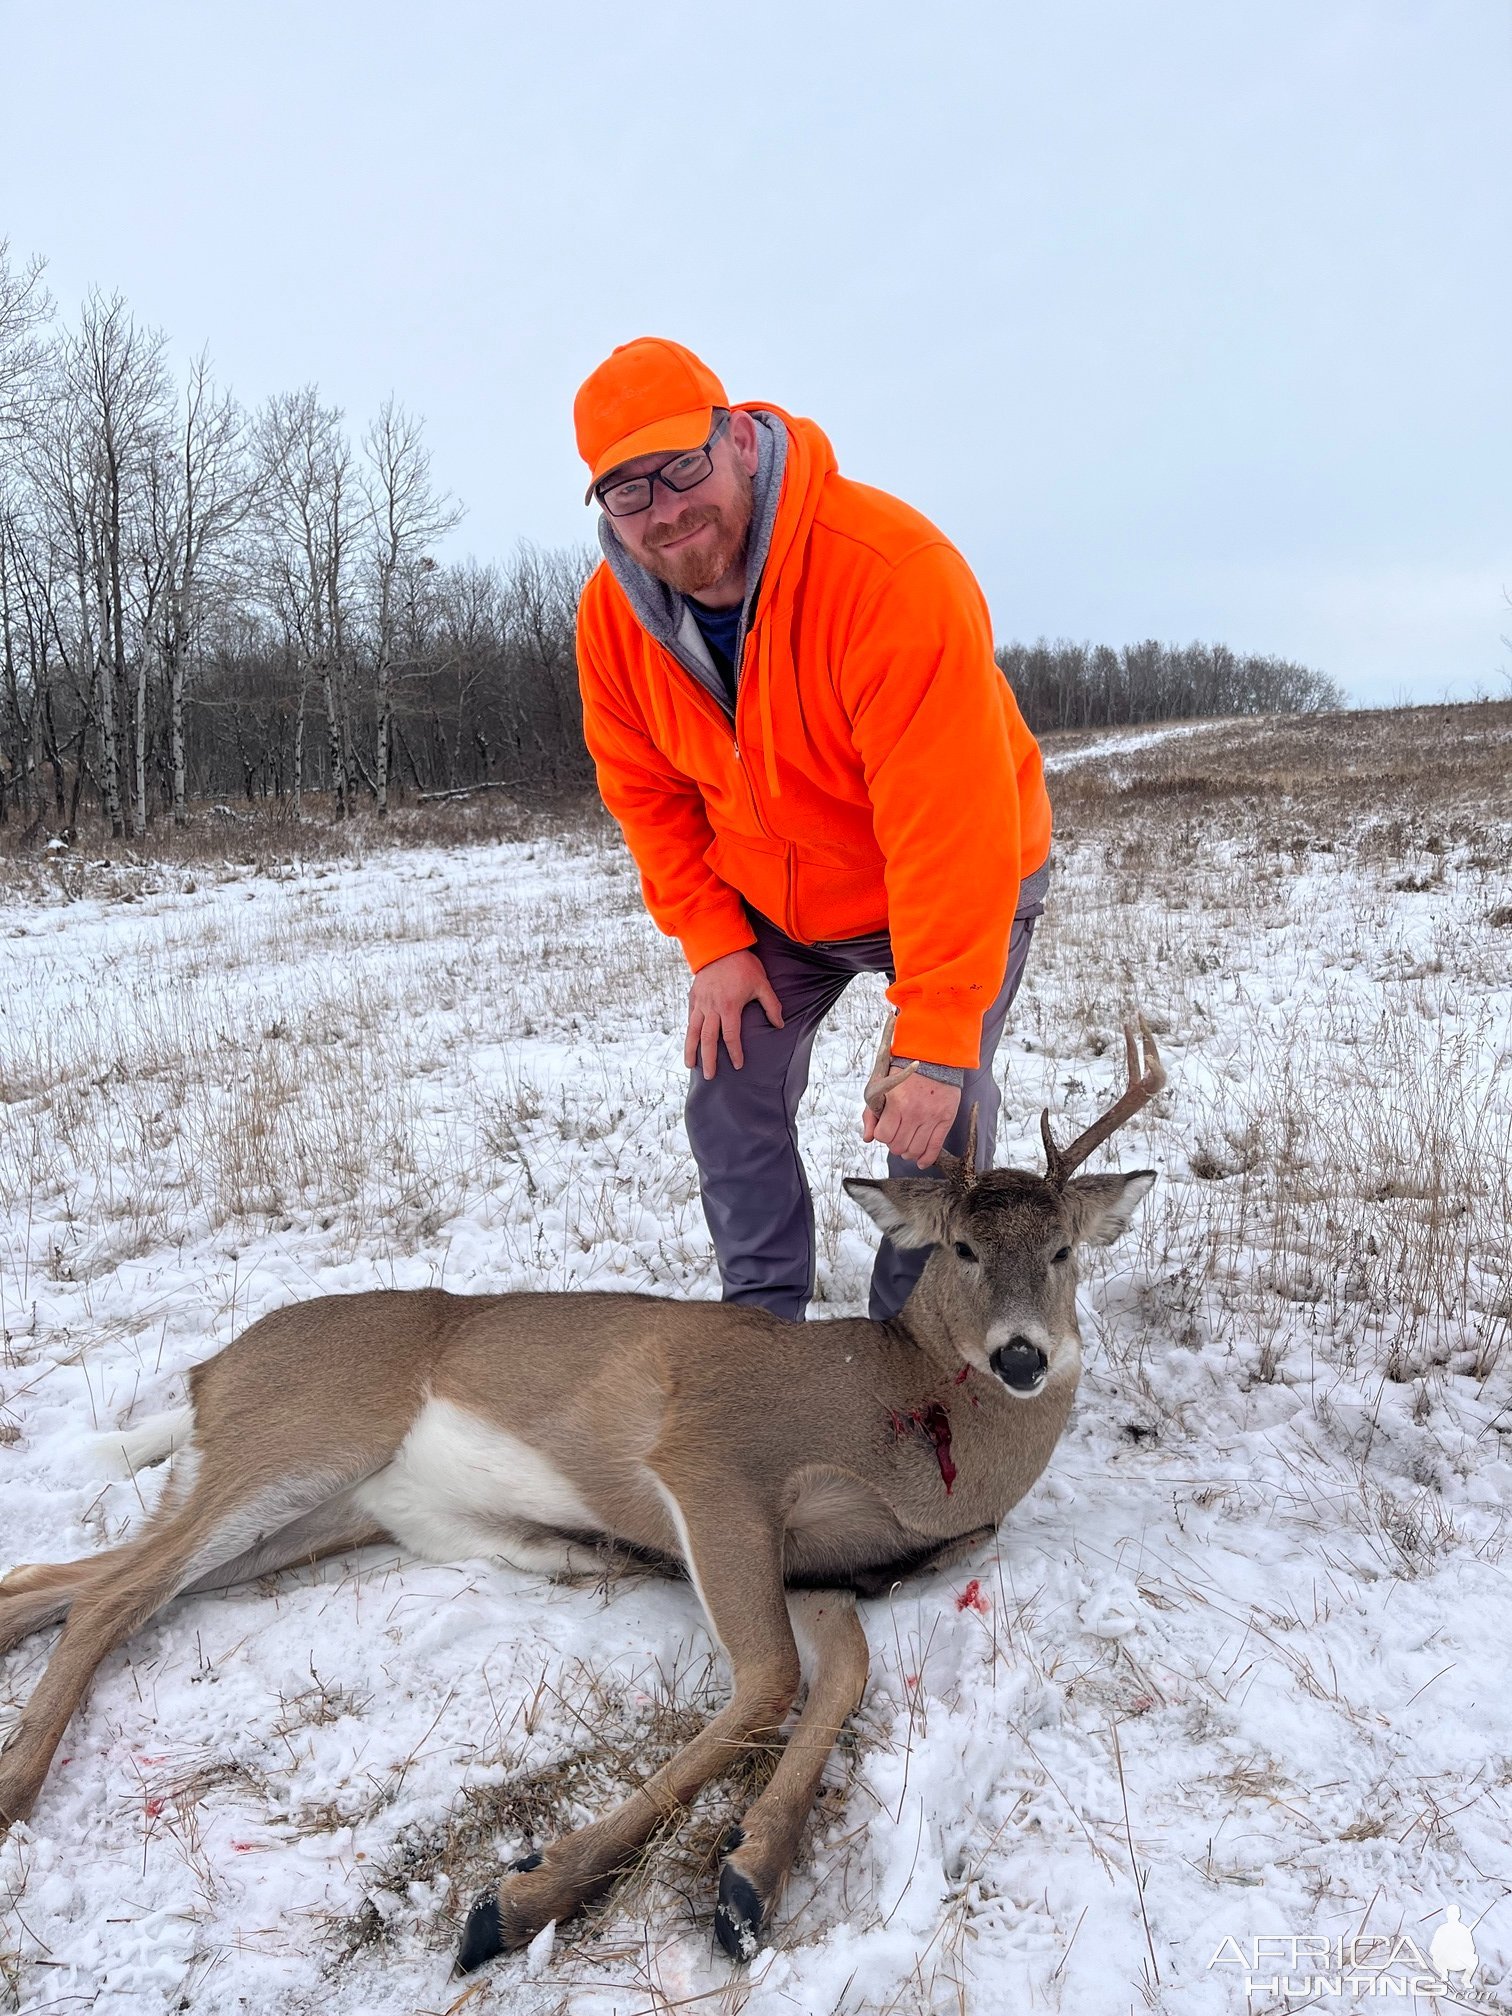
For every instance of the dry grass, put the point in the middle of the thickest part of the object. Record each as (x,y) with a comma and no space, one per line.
(425,1882)
(1422,766)
(46,857)
(1350,1117)
(242,1079)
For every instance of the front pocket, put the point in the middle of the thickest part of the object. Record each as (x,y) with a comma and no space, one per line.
(834,901)
(838,856)
(755,866)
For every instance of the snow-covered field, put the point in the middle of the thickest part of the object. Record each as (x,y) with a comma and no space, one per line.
(1237,1669)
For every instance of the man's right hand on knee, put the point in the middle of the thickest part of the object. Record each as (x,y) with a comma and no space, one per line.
(716,999)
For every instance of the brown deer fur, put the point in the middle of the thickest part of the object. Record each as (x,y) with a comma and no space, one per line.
(760,1457)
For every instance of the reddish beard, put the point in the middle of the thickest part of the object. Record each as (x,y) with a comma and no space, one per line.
(691,572)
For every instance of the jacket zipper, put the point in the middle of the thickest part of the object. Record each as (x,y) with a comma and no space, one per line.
(715,712)
(707,700)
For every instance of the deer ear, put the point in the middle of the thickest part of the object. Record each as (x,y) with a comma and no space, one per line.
(911,1210)
(1104,1204)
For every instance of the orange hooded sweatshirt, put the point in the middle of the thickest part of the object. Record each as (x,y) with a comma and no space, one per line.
(877,774)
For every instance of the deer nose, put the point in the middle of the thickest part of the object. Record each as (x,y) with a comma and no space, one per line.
(1020,1365)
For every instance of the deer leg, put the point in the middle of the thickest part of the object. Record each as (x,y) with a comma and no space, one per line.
(337,1527)
(39,1594)
(882,1581)
(759,1851)
(42,1593)
(31,1576)
(185,1542)
(145,1574)
(734,1560)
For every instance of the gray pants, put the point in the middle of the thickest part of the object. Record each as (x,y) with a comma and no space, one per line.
(741,1124)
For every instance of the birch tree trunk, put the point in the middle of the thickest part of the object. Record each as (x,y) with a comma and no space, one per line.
(385,730)
(176,757)
(22,737)
(102,692)
(139,750)
(334,754)
(304,461)
(299,721)
(404,514)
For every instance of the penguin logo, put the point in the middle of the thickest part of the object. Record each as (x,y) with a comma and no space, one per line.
(1452,1949)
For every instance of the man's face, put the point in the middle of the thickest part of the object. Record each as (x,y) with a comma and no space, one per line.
(695,540)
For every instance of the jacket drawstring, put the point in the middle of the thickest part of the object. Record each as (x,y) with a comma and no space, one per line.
(780,615)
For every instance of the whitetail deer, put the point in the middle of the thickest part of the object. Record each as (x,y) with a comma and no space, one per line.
(759,1457)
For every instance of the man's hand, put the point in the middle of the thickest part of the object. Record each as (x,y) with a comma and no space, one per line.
(914,1120)
(719,992)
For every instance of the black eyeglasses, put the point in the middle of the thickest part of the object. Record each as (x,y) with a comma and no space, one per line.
(684,472)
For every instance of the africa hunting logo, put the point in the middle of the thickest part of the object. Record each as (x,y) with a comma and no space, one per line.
(1375,1964)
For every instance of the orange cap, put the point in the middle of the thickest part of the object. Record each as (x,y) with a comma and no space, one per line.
(646,395)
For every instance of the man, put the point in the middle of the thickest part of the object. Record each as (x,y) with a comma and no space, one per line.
(790,694)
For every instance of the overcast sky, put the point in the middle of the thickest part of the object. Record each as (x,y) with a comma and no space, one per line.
(1183,319)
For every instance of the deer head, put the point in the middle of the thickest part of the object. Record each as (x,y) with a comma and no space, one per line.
(999,1290)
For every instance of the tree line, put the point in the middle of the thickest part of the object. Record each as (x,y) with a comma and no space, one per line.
(1064,685)
(198,601)
(201,601)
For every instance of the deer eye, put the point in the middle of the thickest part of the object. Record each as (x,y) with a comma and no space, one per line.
(1064,1254)
(964,1251)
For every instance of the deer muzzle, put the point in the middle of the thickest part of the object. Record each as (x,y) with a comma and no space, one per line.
(1021,1366)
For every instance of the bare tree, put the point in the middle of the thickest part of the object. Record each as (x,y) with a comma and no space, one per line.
(540,612)
(18,742)
(113,389)
(25,309)
(405,516)
(202,490)
(304,467)
(65,478)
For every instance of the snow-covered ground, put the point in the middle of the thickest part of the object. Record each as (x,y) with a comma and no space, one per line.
(1235,1670)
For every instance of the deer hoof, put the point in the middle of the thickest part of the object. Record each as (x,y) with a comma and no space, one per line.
(739,1913)
(493,1927)
(482,1935)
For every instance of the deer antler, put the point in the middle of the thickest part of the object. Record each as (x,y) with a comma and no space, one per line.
(967,1174)
(1142,1087)
(884,1080)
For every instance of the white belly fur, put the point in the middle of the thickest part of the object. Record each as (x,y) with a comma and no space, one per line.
(459,1486)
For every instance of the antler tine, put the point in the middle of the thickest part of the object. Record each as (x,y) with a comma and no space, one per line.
(968,1160)
(883,1078)
(1141,1089)
(1054,1172)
